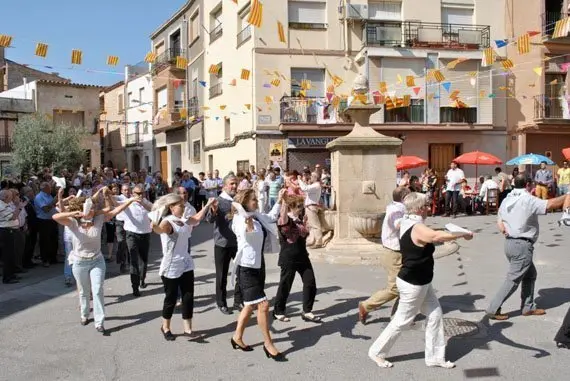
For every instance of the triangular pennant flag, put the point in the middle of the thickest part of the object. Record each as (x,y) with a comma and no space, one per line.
(306,84)
(150,57)
(472,73)
(329,96)
(377,97)
(417,90)
(482,93)
(446,86)
(223,107)
(488,57)
(501,43)
(112,60)
(523,44)
(337,80)
(41,49)
(256,13)
(389,104)
(245,74)
(538,70)
(5,41)
(205,108)
(502,88)
(281,32)
(268,99)
(76,56)
(454,63)
(176,83)
(533,33)
(454,95)
(410,81)
(362,98)
(202,83)
(330,89)
(183,113)
(438,76)
(473,81)
(492,95)
(248,106)
(233,82)
(564,66)
(383,87)
(399,78)
(181,63)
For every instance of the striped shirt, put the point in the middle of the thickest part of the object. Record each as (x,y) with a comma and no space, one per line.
(6,216)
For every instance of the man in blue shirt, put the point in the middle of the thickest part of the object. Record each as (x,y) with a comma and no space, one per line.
(47,228)
(543,179)
(189,184)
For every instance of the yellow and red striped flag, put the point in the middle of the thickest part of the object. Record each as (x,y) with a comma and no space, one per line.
(507,64)
(383,87)
(269,99)
(561,28)
(276,82)
(488,57)
(399,102)
(337,80)
(214,69)
(454,95)
(330,89)
(438,76)
(306,84)
(183,113)
(112,60)
(150,57)
(388,103)
(41,49)
(523,44)
(406,101)
(245,74)
(181,63)
(5,40)
(281,32)
(76,56)
(256,14)
(410,81)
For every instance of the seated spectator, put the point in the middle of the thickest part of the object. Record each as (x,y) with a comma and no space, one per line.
(414,184)
(487,185)
(465,199)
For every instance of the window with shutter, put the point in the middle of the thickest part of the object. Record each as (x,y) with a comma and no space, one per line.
(385,10)
(307,14)
(162,98)
(461,16)
(316,78)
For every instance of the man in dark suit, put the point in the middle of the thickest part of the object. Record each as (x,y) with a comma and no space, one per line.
(225,244)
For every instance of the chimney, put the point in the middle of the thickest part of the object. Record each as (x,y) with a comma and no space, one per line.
(2,56)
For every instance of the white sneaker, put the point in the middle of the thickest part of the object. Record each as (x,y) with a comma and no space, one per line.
(565,219)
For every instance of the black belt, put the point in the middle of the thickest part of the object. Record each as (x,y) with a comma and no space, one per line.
(522,239)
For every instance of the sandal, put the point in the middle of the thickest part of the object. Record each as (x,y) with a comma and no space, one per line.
(310,317)
(193,335)
(282,318)
(382,363)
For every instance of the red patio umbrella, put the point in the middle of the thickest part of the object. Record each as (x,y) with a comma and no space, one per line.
(408,162)
(566,153)
(478,158)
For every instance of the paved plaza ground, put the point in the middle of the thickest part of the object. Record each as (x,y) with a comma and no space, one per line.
(41,338)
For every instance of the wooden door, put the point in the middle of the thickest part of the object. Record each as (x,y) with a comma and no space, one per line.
(164,162)
(440,156)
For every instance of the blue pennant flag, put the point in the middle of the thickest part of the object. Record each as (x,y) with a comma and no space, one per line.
(501,43)
(203,83)
(446,86)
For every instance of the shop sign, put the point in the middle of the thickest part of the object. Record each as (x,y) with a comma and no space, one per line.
(310,142)
(276,152)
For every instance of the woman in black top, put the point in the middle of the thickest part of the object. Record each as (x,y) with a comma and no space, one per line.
(414,284)
(294,258)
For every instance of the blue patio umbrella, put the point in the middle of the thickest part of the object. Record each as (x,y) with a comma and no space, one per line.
(529,159)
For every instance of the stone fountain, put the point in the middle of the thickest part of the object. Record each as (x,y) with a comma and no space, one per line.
(363,171)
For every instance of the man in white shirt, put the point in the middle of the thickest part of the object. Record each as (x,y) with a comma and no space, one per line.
(210,185)
(391,258)
(453,186)
(122,252)
(315,213)
(487,185)
(9,223)
(137,226)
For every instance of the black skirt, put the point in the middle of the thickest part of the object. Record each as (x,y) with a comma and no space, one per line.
(251,283)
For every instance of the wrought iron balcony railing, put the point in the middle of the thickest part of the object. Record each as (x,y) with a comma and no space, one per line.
(300,110)
(133,139)
(167,58)
(546,107)
(244,35)
(549,20)
(216,33)
(193,107)
(426,35)
(216,90)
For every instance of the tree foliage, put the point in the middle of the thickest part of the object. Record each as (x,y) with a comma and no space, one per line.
(37,143)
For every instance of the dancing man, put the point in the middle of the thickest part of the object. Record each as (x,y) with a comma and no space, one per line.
(225,244)
(518,221)
(315,213)
(391,258)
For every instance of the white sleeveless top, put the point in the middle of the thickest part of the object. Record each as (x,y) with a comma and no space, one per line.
(175,257)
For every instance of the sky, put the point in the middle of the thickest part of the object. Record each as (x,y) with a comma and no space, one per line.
(97,27)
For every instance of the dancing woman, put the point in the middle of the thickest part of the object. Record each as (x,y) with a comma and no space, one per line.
(85,223)
(414,284)
(251,229)
(67,236)
(294,258)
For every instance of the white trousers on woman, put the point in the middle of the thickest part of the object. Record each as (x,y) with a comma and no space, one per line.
(414,299)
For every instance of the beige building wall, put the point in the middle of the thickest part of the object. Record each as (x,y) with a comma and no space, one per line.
(112,123)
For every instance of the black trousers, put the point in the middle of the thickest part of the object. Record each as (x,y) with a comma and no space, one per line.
(48,232)
(19,247)
(171,287)
(138,246)
(222,258)
(122,253)
(451,198)
(288,272)
(563,335)
(8,250)
(30,246)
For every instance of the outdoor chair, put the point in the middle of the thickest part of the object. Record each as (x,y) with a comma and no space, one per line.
(492,203)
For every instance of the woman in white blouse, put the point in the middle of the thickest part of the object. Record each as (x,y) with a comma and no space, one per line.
(251,229)
(85,222)
(177,266)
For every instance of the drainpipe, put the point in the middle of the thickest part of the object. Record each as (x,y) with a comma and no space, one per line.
(125,119)
(253,106)
(186,99)
(346,48)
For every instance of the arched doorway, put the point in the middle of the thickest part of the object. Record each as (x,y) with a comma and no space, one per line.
(136,162)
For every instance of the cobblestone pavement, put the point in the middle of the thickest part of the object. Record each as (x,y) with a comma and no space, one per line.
(41,338)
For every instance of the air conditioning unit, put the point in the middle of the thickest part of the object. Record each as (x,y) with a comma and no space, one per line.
(356,11)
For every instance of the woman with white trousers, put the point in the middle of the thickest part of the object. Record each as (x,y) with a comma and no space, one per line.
(414,284)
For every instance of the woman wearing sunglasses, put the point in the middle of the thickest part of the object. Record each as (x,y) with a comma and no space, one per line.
(294,258)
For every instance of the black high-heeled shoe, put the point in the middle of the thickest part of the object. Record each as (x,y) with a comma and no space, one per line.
(168,336)
(235,345)
(561,345)
(279,357)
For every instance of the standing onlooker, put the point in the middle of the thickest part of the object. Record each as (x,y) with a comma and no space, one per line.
(514,174)
(210,185)
(20,233)
(315,213)
(326,184)
(274,187)
(47,227)
(189,184)
(453,186)
(8,227)
(504,184)
(543,179)
(32,231)
(518,222)
(260,187)
(219,181)
(563,179)
(122,252)
(201,191)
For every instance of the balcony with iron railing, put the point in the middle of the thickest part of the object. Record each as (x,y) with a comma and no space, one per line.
(547,109)
(419,34)
(216,33)
(244,35)
(305,110)
(5,144)
(549,20)
(133,139)
(193,107)
(168,120)
(216,90)
(167,59)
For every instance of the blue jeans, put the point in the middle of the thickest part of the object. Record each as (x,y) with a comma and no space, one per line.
(326,199)
(67,247)
(272,202)
(90,275)
(562,190)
